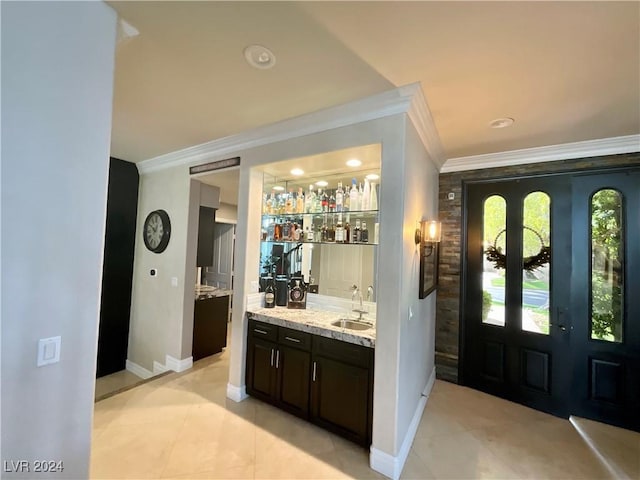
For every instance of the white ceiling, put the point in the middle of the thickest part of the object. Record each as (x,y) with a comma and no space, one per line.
(566,71)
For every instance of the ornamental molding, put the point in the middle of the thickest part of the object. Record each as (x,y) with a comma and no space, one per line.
(549,153)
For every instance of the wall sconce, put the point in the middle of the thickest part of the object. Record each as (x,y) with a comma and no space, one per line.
(427,233)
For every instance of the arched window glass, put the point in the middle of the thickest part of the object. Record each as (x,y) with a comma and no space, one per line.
(536,258)
(493,279)
(607,265)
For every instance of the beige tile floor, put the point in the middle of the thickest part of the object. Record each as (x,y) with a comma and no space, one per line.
(183,426)
(116,381)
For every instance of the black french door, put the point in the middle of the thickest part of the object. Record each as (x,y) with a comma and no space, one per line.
(551,293)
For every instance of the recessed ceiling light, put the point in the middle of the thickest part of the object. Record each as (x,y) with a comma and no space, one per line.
(322,183)
(354,162)
(297,171)
(259,57)
(372,176)
(501,122)
(279,188)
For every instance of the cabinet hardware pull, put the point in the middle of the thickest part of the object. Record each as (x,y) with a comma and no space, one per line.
(314,372)
(272,357)
(292,339)
(257,330)
(277,358)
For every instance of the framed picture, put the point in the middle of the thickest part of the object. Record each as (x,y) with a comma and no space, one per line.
(429,254)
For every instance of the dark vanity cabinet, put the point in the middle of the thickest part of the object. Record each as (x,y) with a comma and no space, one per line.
(342,388)
(210,326)
(327,381)
(278,366)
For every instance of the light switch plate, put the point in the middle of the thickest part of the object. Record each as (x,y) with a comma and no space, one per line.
(48,350)
(174,281)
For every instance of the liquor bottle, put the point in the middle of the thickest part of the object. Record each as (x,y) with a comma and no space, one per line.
(331,232)
(269,209)
(366,195)
(347,231)
(264,204)
(309,234)
(280,209)
(317,202)
(269,294)
(325,202)
(288,206)
(360,199)
(332,202)
(373,202)
(357,233)
(300,201)
(308,200)
(353,197)
(323,233)
(286,230)
(339,198)
(277,232)
(296,232)
(339,230)
(364,233)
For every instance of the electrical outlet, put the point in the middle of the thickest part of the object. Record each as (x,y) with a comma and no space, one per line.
(451,196)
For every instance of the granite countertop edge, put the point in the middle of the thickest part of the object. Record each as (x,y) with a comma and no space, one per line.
(316,322)
(203,295)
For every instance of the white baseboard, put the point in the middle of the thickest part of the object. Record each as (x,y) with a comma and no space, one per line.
(159,368)
(178,365)
(237,394)
(138,370)
(391,466)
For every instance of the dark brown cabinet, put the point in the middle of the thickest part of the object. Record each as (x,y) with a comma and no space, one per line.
(342,388)
(320,379)
(278,368)
(210,326)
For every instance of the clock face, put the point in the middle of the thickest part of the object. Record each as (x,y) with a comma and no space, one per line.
(157,230)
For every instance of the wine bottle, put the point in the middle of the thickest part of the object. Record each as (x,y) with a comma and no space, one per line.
(300,201)
(353,197)
(357,233)
(339,230)
(339,197)
(364,233)
(269,294)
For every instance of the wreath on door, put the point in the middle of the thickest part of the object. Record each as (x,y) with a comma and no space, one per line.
(499,259)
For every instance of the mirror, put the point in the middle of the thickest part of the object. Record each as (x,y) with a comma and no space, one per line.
(329,269)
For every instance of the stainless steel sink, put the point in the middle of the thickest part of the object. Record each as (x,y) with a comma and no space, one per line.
(351,324)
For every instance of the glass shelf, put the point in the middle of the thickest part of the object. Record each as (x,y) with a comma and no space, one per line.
(357,214)
(297,242)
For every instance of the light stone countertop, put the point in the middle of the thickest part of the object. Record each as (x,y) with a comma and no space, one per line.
(317,322)
(203,292)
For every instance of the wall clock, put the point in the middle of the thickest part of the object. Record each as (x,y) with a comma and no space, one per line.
(157,231)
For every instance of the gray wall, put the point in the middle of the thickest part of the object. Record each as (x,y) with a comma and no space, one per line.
(57,83)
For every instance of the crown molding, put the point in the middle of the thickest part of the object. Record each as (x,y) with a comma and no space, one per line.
(549,153)
(420,116)
(406,99)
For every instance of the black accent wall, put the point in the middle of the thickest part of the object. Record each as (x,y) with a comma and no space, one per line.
(117,271)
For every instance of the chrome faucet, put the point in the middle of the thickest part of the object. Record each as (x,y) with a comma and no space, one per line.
(357,296)
(370,293)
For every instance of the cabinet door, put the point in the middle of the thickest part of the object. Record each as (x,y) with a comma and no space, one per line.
(293,380)
(261,371)
(340,398)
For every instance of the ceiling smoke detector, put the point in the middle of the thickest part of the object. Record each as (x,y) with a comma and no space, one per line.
(259,57)
(501,122)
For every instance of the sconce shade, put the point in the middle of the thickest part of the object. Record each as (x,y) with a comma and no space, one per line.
(432,231)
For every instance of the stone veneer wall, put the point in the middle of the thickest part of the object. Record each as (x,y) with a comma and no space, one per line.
(450,214)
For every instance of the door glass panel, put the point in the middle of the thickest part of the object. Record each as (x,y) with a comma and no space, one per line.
(493,279)
(607,265)
(536,256)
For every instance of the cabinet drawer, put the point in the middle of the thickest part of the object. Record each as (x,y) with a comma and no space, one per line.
(263,330)
(294,338)
(343,351)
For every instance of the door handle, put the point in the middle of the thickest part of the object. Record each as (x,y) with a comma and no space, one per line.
(313,378)
(271,357)
(277,358)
